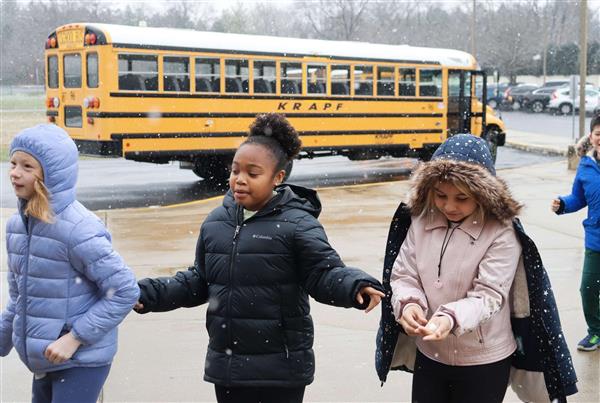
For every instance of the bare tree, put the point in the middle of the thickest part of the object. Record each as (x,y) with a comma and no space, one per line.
(337,19)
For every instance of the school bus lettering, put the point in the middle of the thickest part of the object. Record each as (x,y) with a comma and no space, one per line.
(297,106)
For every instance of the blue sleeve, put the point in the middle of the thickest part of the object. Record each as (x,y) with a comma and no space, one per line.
(91,253)
(576,200)
(6,321)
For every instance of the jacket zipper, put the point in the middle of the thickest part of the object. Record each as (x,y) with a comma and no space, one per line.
(236,234)
(26,299)
(239,220)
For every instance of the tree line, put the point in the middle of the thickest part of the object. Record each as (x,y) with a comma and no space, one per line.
(508,36)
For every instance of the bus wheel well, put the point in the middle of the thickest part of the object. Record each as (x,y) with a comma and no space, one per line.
(214,169)
(492,136)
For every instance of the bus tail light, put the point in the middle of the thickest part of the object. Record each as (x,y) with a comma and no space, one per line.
(49,102)
(55,102)
(51,119)
(90,121)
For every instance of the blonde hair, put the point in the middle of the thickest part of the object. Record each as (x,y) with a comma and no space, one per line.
(478,215)
(38,205)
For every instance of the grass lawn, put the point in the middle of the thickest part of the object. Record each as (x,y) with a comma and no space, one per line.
(17,112)
(12,122)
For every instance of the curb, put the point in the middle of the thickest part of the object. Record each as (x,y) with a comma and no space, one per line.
(537,149)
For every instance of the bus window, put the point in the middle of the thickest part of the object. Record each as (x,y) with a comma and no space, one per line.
(363,80)
(316,79)
(176,74)
(340,80)
(92,70)
(291,78)
(385,81)
(430,83)
(138,72)
(73,117)
(407,82)
(208,72)
(72,70)
(52,72)
(236,76)
(264,77)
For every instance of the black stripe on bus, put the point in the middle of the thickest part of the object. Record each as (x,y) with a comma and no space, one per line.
(252,115)
(154,155)
(305,98)
(238,53)
(51,113)
(122,136)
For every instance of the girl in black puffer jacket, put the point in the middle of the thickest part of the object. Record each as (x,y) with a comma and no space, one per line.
(258,257)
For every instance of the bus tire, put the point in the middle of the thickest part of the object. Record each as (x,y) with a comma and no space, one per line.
(214,170)
(491,136)
(426,153)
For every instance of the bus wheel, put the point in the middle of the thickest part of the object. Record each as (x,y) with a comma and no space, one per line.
(426,153)
(288,170)
(492,139)
(214,170)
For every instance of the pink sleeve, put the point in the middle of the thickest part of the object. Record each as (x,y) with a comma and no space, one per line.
(405,280)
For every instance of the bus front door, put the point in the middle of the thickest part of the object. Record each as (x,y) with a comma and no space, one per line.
(459,102)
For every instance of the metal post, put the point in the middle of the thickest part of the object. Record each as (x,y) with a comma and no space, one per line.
(582,64)
(473,24)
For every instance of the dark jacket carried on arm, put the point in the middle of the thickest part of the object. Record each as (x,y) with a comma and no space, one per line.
(542,362)
(256,276)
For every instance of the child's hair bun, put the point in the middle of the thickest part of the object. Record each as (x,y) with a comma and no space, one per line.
(277,127)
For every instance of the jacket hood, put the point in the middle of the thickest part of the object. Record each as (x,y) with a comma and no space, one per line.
(52,147)
(490,191)
(288,196)
(584,147)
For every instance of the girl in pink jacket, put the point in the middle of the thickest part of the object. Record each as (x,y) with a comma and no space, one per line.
(453,275)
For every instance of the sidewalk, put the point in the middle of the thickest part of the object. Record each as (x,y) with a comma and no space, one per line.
(538,143)
(161,356)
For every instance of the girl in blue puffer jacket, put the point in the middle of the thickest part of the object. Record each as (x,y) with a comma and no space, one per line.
(68,288)
(586,192)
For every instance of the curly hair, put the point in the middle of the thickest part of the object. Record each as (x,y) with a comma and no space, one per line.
(274,132)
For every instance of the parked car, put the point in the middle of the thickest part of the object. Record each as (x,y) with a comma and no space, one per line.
(555,84)
(495,94)
(513,96)
(536,101)
(561,101)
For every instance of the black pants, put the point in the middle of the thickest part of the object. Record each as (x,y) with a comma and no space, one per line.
(259,394)
(434,382)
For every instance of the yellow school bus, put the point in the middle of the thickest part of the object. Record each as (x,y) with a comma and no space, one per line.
(162,94)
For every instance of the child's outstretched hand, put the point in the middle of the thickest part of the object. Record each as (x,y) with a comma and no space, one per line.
(412,319)
(62,349)
(374,297)
(555,205)
(438,328)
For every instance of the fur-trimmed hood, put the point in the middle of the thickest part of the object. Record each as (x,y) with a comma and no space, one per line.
(584,147)
(490,191)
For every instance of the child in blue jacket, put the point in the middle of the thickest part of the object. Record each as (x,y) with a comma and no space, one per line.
(586,192)
(68,288)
